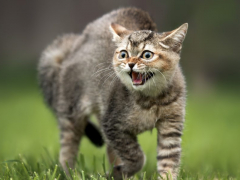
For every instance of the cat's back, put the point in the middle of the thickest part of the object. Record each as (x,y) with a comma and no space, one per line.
(96,35)
(131,18)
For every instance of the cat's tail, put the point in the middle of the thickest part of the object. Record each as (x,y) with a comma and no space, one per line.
(93,134)
(50,64)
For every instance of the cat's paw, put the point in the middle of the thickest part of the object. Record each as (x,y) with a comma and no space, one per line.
(117,172)
(167,176)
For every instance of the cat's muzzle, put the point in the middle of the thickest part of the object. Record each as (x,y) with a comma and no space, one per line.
(140,78)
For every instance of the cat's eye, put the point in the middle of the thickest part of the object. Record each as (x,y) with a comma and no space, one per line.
(147,55)
(123,54)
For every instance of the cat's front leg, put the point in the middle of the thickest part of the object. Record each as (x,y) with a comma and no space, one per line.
(169,146)
(113,159)
(127,148)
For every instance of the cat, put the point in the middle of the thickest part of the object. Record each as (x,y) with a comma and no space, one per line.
(128,75)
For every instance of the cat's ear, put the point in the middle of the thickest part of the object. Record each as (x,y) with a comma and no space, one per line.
(175,38)
(118,32)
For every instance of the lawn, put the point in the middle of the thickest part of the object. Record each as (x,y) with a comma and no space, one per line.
(29,140)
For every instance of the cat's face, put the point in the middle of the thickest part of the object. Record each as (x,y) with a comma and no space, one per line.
(145,60)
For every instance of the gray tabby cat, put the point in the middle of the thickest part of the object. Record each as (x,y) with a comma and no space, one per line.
(128,75)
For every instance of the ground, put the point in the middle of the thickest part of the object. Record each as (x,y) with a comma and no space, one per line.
(29,137)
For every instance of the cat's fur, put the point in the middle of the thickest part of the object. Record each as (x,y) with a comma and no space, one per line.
(82,75)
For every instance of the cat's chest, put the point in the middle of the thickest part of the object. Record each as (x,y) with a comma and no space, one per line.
(142,119)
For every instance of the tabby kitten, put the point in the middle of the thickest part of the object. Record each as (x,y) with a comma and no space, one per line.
(128,75)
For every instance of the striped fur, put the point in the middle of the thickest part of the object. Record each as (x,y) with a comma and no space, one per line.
(86,74)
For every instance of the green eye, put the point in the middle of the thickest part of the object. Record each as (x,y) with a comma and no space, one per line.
(147,55)
(123,54)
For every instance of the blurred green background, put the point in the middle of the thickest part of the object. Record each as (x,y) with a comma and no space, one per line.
(210,61)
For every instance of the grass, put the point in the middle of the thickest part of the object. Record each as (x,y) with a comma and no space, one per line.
(29,141)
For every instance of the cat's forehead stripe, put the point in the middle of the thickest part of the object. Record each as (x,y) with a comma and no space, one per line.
(149,37)
(142,46)
(150,47)
(128,45)
(140,36)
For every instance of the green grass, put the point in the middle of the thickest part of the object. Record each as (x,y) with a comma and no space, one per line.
(29,141)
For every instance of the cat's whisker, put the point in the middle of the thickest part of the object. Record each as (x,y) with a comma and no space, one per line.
(161,74)
(145,81)
(102,66)
(115,78)
(111,75)
(102,74)
(100,71)
(108,77)
(103,63)
(116,73)
(105,75)
(154,82)
(153,79)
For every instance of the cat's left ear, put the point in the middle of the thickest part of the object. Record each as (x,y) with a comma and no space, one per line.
(118,32)
(175,38)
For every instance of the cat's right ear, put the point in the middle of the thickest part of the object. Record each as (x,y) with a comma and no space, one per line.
(175,38)
(118,32)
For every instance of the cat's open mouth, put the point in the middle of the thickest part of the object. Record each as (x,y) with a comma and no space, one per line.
(140,78)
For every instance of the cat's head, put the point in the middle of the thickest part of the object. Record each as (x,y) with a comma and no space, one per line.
(145,60)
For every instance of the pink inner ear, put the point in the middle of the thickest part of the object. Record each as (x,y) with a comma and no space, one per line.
(120,30)
(177,34)
(168,33)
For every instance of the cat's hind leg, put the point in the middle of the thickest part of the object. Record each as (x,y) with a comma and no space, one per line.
(71,132)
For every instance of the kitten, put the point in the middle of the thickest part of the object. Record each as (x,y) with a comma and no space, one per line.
(128,75)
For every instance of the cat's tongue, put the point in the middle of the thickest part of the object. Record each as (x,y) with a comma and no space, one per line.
(136,78)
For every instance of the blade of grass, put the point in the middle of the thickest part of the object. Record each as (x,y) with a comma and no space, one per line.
(83,175)
(103,165)
(25,169)
(54,172)
(144,176)
(82,160)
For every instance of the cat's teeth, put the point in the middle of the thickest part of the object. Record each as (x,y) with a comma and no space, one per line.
(137,78)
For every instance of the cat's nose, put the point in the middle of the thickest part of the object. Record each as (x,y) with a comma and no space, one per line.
(131,65)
